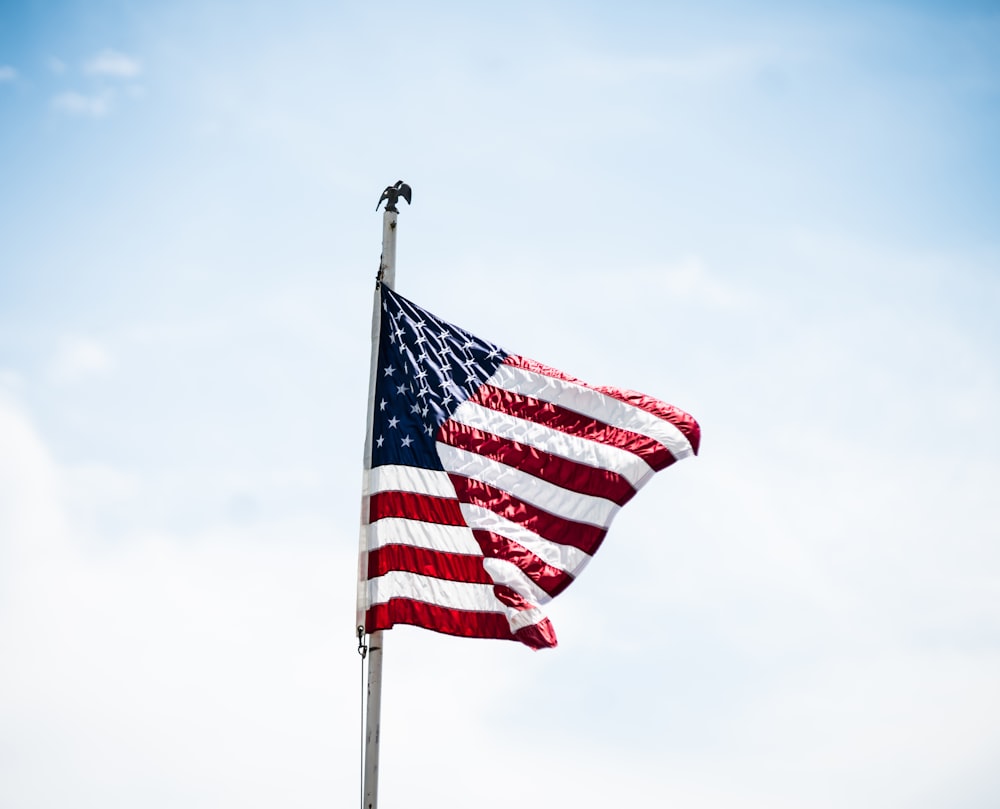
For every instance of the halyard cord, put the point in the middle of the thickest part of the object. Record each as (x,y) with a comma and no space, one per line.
(362,650)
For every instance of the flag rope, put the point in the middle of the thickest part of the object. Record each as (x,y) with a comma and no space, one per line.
(363,651)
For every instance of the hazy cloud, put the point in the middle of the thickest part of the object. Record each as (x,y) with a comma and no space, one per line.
(79,358)
(112,63)
(73,103)
(7,73)
(713,64)
(689,279)
(10,381)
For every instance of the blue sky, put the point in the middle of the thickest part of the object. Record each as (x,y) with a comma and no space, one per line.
(782,220)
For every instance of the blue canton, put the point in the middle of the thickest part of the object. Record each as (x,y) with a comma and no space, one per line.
(426,369)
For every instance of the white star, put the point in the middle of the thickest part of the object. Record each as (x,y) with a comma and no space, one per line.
(400,333)
(419,325)
(444,335)
(415,408)
(428,429)
(447,400)
(493,353)
(393,422)
(407,441)
(445,368)
(401,389)
(423,392)
(382,404)
(422,357)
(390,371)
(469,344)
(420,339)
(379,441)
(421,374)
(425,411)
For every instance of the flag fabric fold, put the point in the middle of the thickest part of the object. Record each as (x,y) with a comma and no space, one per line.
(491,479)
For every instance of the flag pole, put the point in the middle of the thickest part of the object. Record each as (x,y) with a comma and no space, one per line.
(373,717)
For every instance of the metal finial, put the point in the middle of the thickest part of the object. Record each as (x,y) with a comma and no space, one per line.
(392,194)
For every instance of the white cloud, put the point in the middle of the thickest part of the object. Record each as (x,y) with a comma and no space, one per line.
(97,492)
(73,103)
(133,664)
(112,63)
(28,487)
(7,73)
(79,358)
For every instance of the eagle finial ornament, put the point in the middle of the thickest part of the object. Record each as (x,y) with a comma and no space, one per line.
(392,193)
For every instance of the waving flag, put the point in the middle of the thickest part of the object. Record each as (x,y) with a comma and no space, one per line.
(492,479)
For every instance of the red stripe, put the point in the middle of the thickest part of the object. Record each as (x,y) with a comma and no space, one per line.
(437,564)
(538,636)
(557,529)
(667,412)
(551,579)
(560,471)
(491,625)
(440,619)
(423,507)
(573,423)
(681,420)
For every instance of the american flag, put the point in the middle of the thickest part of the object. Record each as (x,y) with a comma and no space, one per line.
(492,479)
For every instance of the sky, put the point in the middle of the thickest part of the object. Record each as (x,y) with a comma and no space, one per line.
(779,217)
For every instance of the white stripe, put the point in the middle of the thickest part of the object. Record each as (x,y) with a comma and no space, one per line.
(564,557)
(504,572)
(455,595)
(554,499)
(519,619)
(592,403)
(450,595)
(574,448)
(401,531)
(408,479)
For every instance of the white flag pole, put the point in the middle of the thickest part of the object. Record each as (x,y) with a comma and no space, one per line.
(386,275)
